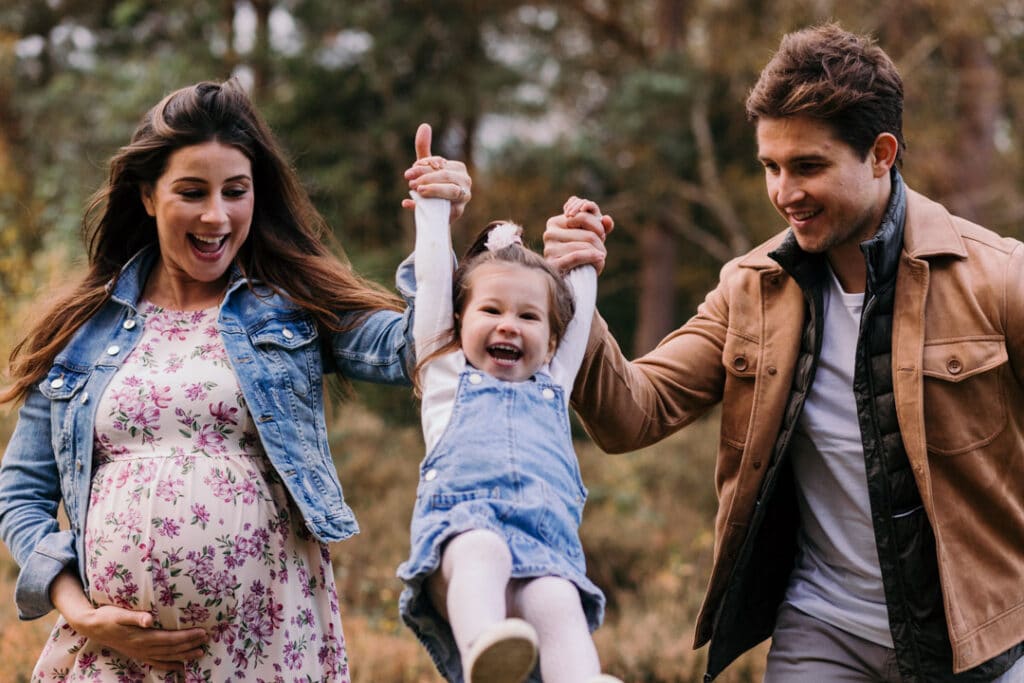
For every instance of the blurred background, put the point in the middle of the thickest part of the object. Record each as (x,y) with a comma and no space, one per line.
(637,104)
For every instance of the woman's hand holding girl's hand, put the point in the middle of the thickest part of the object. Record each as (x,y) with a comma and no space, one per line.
(434,176)
(129,632)
(576,238)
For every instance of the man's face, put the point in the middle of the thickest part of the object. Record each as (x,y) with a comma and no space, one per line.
(831,198)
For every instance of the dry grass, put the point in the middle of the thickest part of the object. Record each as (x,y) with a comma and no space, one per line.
(647,532)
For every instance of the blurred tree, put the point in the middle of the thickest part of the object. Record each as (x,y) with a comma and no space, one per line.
(636,104)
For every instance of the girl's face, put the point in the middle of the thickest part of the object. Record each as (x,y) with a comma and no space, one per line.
(505,325)
(203,206)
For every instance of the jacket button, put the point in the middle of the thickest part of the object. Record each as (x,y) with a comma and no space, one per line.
(57,383)
(85,397)
(757,464)
(548,393)
(113,350)
(128,324)
(288,334)
(431,475)
(475,379)
(740,363)
(954,366)
(772,370)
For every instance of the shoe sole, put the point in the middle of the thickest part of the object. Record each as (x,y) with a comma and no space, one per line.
(509,660)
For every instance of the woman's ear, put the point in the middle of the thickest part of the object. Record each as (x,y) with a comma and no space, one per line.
(146,194)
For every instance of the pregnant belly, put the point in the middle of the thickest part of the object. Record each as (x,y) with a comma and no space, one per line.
(185,537)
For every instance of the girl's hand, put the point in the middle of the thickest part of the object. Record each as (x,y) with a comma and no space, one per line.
(434,176)
(129,632)
(576,238)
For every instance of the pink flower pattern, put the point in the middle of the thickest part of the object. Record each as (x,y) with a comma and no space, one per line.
(189,521)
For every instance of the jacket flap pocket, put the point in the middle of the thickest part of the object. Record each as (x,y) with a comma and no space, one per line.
(739,355)
(285,333)
(61,383)
(957,360)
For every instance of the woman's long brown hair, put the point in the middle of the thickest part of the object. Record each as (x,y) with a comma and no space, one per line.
(288,247)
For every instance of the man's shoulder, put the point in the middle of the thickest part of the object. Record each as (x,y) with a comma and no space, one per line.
(932,230)
(759,258)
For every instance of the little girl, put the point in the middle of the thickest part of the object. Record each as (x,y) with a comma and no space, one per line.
(496,570)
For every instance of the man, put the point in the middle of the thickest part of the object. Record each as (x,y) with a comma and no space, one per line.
(870,365)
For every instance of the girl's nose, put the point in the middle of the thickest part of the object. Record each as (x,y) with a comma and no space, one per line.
(508,324)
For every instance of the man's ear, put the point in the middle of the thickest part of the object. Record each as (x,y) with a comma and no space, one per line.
(883,153)
(146,194)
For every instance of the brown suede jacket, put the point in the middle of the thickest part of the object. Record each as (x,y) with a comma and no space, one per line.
(958,375)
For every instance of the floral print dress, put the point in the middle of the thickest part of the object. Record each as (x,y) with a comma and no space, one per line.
(189,520)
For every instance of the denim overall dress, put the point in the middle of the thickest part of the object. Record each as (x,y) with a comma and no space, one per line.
(505,462)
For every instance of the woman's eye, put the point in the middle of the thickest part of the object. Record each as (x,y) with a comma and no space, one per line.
(235,192)
(192,194)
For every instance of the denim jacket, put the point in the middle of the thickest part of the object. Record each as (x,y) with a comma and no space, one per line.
(279,357)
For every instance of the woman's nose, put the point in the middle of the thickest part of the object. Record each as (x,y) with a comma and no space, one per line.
(214,211)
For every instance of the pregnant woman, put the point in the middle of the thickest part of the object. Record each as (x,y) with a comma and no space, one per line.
(173,401)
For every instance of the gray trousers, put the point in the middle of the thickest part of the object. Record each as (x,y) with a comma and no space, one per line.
(807,650)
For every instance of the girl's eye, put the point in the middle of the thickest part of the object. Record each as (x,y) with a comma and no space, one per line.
(491,310)
(530,316)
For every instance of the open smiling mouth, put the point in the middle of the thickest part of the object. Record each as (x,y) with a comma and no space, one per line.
(504,354)
(207,245)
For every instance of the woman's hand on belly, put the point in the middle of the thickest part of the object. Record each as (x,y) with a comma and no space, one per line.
(127,631)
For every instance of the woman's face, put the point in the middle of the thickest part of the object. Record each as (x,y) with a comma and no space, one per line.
(203,206)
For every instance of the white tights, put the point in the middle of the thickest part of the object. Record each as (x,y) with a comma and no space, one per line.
(473,590)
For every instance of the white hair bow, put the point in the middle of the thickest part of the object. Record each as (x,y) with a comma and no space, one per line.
(504,235)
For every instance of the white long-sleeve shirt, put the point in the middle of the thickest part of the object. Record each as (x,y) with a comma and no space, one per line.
(434,319)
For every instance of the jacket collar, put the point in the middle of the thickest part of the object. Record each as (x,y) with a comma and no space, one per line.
(127,286)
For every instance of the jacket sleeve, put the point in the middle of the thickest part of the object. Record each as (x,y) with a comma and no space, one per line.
(626,405)
(377,349)
(29,497)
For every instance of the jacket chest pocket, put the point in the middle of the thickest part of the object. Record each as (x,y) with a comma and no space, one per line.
(740,358)
(65,389)
(288,346)
(964,400)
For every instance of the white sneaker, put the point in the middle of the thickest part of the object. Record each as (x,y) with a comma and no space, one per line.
(604,678)
(504,653)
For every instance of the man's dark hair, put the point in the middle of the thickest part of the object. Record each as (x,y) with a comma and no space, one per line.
(837,77)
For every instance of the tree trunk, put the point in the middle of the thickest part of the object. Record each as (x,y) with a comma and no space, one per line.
(658,242)
(978,104)
(656,307)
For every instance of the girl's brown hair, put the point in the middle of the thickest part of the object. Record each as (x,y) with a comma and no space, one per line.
(289,247)
(561,304)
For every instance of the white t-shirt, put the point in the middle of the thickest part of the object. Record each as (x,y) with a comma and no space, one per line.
(837,577)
